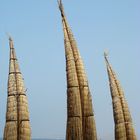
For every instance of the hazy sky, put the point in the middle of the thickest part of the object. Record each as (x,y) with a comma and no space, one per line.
(36,28)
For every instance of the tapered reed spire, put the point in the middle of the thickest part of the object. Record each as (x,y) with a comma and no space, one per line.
(88,123)
(123,123)
(17,125)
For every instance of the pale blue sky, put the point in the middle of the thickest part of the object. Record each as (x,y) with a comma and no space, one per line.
(36,28)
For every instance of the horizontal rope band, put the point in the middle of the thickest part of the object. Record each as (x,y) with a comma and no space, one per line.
(11,120)
(17,94)
(13,58)
(72,86)
(74,116)
(88,116)
(15,72)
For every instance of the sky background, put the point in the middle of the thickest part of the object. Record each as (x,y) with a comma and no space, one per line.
(36,28)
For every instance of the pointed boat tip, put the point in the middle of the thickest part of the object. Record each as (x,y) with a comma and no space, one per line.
(10,40)
(60,2)
(106,53)
(9,37)
(60,5)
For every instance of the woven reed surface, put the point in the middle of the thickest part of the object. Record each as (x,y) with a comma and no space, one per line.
(16,118)
(73,55)
(74,120)
(123,122)
(89,127)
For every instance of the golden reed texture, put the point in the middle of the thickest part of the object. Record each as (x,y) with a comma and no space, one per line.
(123,122)
(76,76)
(17,125)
